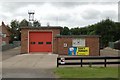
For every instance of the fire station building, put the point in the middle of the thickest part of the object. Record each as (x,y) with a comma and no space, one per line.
(48,40)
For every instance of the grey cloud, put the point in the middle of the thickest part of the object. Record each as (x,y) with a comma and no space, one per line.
(76,23)
(119,11)
(23,15)
(13,6)
(68,4)
(64,17)
(67,19)
(91,14)
(73,4)
(111,14)
(59,0)
(59,17)
(4,17)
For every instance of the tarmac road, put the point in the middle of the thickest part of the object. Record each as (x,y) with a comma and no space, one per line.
(10,53)
(15,65)
(29,66)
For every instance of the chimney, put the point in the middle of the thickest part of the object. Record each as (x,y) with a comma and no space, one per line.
(3,23)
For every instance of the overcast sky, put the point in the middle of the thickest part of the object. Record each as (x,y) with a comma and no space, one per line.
(60,13)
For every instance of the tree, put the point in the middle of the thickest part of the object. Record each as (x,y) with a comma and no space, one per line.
(83,31)
(36,23)
(65,31)
(15,29)
(117,33)
(24,23)
(107,29)
(75,31)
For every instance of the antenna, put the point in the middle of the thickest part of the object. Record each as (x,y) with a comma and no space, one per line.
(31,16)
(48,24)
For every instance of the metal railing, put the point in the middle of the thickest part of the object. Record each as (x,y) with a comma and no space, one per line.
(69,60)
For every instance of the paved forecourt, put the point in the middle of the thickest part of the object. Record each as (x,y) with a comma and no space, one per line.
(30,66)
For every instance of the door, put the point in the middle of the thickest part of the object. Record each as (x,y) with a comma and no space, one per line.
(40,42)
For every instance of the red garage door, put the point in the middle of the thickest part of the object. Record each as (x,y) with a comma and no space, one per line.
(40,42)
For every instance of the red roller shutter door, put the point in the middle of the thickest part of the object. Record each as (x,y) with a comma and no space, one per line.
(40,42)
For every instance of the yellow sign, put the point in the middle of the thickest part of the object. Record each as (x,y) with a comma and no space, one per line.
(82,51)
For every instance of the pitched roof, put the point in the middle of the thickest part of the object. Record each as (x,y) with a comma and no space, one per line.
(6,27)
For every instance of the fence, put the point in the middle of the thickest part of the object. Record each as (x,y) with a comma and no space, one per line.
(10,46)
(63,60)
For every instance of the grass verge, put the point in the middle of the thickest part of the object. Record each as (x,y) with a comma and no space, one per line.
(87,72)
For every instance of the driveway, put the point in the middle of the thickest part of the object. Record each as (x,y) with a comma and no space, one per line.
(10,53)
(109,52)
(29,66)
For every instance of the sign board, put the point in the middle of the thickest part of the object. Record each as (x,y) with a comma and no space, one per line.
(62,60)
(72,51)
(65,44)
(78,51)
(78,42)
(83,51)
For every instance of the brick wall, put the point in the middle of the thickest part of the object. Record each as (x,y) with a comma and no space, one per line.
(58,42)
(61,49)
(24,36)
(24,40)
(90,41)
(93,44)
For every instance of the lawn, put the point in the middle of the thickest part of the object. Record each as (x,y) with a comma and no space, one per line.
(87,72)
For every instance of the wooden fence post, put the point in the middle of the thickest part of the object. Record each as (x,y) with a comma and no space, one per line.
(81,62)
(57,62)
(105,62)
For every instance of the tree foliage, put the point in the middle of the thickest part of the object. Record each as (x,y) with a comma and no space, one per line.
(107,29)
(36,23)
(15,29)
(24,23)
(65,31)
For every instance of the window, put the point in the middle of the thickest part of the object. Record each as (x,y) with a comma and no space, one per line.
(78,42)
(32,43)
(40,42)
(48,42)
